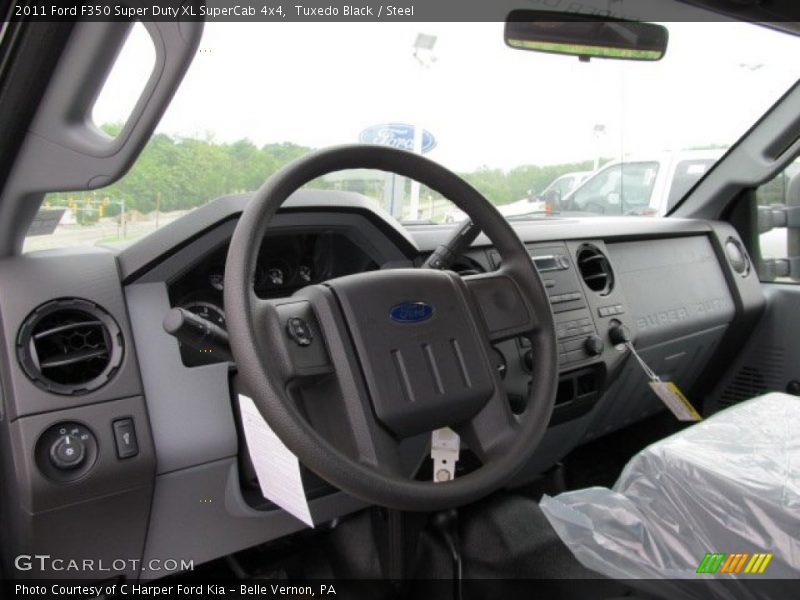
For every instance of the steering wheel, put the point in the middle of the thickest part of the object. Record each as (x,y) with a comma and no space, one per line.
(349,372)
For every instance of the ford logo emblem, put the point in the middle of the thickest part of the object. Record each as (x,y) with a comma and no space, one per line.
(411,312)
(397,135)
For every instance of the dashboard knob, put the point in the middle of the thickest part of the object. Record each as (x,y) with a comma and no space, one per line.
(619,334)
(67,452)
(594,345)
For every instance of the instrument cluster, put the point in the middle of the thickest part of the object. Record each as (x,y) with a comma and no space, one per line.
(286,263)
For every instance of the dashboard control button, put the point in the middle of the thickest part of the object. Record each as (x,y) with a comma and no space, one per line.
(299,331)
(125,438)
(67,452)
(594,345)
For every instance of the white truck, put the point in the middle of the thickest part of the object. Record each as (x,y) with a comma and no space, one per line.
(645,186)
(652,186)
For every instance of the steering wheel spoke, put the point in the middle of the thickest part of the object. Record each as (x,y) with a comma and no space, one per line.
(324,387)
(290,334)
(491,433)
(502,305)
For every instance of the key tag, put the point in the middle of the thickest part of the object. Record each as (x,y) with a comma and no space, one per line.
(667,391)
(445,447)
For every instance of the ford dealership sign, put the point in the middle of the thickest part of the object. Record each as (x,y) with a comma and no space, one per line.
(396,135)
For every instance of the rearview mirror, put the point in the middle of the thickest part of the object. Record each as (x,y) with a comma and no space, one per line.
(585,36)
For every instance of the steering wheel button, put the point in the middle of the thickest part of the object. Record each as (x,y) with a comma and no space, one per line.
(299,331)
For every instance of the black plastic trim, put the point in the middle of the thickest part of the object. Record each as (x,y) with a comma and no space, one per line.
(35,369)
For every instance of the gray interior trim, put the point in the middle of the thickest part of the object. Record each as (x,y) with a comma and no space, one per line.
(144,254)
(32,279)
(199,514)
(190,408)
(354,226)
(767,361)
(553,229)
(64,150)
(629,399)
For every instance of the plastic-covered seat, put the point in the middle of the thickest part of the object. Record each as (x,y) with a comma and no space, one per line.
(725,491)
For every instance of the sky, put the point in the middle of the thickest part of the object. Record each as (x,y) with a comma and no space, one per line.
(319,84)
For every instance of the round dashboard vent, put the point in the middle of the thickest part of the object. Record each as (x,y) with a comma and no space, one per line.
(595,269)
(69,347)
(737,257)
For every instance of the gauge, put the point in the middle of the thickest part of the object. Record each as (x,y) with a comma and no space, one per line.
(207,311)
(217,281)
(275,276)
(304,274)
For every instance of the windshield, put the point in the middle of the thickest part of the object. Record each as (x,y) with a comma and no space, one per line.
(509,121)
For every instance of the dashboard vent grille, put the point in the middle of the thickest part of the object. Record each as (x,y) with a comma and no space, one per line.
(69,347)
(595,269)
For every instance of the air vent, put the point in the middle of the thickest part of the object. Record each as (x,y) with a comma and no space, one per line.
(69,347)
(595,269)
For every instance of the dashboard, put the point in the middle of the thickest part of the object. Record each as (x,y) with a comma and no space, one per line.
(186,488)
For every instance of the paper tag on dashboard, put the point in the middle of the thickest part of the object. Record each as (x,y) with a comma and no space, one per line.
(675,400)
(277,468)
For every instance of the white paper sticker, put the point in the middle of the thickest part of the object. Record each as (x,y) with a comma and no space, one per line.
(445,448)
(277,468)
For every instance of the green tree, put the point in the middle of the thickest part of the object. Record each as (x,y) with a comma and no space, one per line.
(176,173)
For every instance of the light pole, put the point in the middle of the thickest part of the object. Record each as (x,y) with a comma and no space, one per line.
(598,131)
(423,54)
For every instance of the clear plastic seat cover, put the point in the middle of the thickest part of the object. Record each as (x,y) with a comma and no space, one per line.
(729,484)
